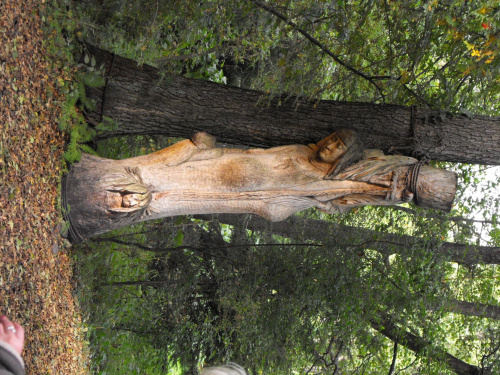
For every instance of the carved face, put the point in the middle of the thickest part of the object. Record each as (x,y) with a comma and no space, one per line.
(333,149)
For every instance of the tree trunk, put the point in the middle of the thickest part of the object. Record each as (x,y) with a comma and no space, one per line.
(142,103)
(420,346)
(387,243)
(480,310)
(194,177)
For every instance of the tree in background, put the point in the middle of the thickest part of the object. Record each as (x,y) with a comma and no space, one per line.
(285,304)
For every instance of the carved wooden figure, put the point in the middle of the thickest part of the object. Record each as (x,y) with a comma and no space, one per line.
(195,177)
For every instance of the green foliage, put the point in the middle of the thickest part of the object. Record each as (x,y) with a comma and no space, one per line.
(117,324)
(72,120)
(282,307)
(108,124)
(71,85)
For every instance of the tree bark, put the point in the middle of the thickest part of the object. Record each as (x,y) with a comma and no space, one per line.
(318,230)
(143,103)
(419,345)
(480,310)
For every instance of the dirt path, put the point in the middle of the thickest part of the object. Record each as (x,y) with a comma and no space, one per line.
(35,271)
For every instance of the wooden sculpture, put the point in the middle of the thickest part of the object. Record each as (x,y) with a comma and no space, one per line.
(195,177)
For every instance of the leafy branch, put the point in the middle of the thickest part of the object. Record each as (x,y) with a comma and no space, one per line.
(324,48)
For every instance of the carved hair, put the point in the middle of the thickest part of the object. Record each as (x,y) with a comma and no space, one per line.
(229,369)
(352,155)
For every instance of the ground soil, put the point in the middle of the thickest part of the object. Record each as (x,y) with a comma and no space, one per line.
(36,284)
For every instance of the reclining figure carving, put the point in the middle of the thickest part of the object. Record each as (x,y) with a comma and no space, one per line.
(195,177)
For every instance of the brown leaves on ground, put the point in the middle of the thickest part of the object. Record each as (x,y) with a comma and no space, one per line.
(35,271)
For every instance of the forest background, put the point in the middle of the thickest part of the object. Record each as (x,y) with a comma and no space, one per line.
(375,290)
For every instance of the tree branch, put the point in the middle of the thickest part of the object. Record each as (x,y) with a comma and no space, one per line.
(419,345)
(385,243)
(442,217)
(473,309)
(405,86)
(324,48)
(193,248)
(394,357)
